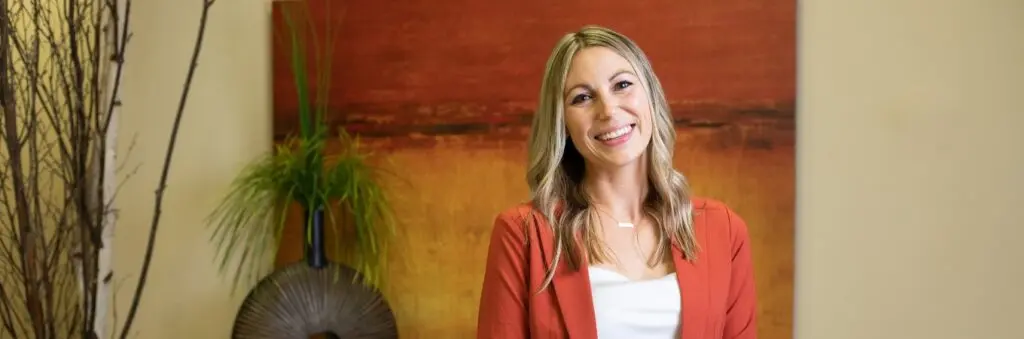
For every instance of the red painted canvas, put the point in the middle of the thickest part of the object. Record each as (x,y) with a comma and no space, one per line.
(444,91)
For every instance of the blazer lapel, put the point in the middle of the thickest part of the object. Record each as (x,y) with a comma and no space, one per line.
(576,302)
(572,290)
(693,286)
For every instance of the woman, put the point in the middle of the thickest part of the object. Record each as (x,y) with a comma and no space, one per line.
(611,244)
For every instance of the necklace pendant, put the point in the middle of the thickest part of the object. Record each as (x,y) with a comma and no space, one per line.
(626,224)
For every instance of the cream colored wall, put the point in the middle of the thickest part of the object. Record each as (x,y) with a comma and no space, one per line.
(226,124)
(923,172)
(910,171)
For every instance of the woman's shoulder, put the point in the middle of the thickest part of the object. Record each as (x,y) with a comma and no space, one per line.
(518,220)
(518,213)
(718,216)
(711,206)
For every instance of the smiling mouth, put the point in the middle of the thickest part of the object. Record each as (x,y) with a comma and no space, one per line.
(624,130)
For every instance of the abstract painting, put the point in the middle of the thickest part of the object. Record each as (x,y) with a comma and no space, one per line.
(444,92)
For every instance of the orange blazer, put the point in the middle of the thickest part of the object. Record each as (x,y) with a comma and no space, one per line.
(718,297)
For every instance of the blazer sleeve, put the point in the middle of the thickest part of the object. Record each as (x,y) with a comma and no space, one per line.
(741,315)
(503,299)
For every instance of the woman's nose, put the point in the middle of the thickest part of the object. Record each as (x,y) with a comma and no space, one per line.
(606,107)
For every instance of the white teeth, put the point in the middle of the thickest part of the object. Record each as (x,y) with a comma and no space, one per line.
(616,133)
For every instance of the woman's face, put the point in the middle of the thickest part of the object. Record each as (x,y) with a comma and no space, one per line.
(607,109)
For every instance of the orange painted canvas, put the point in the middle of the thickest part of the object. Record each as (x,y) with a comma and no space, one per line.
(443,92)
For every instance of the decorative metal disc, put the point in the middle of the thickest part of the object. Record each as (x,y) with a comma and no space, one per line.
(298,301)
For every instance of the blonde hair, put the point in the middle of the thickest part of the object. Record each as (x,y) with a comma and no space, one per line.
(556,168)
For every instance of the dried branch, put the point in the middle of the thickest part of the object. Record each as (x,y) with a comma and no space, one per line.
(137,297)
(61,64)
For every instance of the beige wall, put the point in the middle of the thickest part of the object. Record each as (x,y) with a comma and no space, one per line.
(227,123)
(924,173)
(910,171)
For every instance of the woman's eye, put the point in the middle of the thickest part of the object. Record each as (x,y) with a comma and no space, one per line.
(623,84)
(579,98)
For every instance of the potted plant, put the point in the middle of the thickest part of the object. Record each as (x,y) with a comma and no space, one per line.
(338,190)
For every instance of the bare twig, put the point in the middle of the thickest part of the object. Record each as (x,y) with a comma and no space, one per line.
(61,63)
(194,63)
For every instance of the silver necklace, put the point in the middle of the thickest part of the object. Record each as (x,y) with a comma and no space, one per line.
(619,223)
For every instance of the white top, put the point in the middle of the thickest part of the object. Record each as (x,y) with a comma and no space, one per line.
(625,309)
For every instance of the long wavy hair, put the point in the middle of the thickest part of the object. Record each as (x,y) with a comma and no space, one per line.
(556,168)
